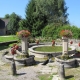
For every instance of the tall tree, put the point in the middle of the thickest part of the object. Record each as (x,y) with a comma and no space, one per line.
(13,24)
(35,21)
(22,24)
(39,13)
(55,10)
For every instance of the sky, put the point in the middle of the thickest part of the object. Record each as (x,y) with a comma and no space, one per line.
(18,6)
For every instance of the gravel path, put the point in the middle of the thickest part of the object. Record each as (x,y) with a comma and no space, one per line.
(25,73)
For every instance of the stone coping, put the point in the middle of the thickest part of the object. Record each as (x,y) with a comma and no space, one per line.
(74,62)
(31,51)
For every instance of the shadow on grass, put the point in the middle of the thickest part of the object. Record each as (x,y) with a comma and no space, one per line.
(69,77)
(3,47)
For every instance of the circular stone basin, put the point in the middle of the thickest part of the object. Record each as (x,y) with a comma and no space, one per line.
(42,54)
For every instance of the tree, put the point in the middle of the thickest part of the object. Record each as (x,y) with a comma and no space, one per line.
(35,21)
(55,10)
(22,24)
(13,24)
(39,13)
(7,16)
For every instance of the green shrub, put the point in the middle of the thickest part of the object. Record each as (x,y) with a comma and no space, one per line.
(65,57)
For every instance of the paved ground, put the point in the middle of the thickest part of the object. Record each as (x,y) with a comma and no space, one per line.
(27,73)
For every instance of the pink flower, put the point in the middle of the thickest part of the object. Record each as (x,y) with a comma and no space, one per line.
(66,33)
(23,33)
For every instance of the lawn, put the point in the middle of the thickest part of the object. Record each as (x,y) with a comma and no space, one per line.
(50,48)
(8,38)
(72,73)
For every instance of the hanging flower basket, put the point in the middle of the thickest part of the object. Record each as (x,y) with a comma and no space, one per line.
(23,33)
(66,33)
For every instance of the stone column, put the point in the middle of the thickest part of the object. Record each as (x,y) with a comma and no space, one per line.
(65,45)
(24,45)
(61,72)
(13,67)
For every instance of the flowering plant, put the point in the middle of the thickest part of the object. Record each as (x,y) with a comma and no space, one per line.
(53,42)
(79,44)
(71,42)
(14,48)
(66,33)
(23,33)
(37,41)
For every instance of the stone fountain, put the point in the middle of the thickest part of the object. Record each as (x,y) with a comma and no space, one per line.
(22,56)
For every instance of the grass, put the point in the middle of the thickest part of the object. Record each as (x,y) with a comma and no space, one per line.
(45,77)
(72,73)
(50,48)
(8,38)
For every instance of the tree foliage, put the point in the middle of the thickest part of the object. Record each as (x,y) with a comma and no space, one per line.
(52,31)
(7,16)
(55,10)
(35,21)
(22,24)
(13,24)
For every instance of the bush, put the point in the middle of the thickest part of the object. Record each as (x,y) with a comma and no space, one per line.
(65,57)
(31,39)
(50,31)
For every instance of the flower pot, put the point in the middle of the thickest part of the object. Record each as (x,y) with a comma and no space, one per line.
(65,45)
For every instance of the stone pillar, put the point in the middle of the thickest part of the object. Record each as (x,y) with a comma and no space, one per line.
(65,45)
(13,67)
(24,45)
(61,72)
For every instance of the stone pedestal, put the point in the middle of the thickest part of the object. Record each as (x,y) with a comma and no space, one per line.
(65,45)
(61,72)
(24,45)
(13,67)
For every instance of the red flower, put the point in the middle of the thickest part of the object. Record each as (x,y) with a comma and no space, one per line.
(79,44)
(71,42)
(16,47)
(37,41)
(53,42)
(13,51)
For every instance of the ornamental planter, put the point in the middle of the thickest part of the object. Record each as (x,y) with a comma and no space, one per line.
(23,35)
(65,45)
(25,61)
(67,63)
(24,45)
(65,35)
